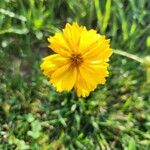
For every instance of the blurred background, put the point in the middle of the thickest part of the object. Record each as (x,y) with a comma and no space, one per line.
(33,116)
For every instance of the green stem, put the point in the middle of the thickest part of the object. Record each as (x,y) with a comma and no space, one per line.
(128,55)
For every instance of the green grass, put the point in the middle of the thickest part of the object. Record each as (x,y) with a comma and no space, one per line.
(34,116)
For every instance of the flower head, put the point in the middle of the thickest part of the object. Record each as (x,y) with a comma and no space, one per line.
(80,61)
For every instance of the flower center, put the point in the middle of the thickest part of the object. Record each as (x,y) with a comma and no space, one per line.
(76,60)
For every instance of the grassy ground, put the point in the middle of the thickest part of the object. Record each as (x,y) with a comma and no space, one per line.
(33,116)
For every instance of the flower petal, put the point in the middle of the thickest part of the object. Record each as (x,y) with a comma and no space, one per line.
(88,40)
(64,78)
(89,76)
(51,63)
(59,45)
(72,35)
(101,51)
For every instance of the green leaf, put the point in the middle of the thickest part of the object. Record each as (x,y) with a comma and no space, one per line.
(132,144)
(148,41)
(107,15)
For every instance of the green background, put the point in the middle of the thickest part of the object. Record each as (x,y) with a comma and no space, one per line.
(116,116)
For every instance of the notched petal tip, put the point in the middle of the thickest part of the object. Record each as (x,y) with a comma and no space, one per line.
(49,38)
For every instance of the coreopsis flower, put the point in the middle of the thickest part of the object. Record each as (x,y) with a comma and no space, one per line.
(80,62)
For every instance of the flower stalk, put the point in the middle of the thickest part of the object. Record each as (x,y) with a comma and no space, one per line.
(144,61)
(128,55)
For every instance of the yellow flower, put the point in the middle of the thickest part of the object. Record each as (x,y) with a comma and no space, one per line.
(80,61)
